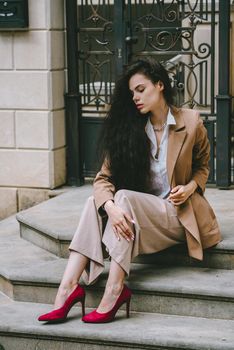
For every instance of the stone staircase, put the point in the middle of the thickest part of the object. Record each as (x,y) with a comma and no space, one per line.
(177,303)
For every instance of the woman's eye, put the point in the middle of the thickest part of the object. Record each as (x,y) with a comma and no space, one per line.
(141,90)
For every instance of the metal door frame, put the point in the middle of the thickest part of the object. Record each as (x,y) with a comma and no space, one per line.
(73,98)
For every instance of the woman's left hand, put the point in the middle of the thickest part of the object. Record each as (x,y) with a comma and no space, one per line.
(181,193)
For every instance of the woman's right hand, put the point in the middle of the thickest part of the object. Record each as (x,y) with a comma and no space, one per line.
(119,220)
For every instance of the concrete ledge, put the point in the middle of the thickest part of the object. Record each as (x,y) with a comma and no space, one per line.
(216,257)
(52,224)
(20,329)
(201,292)
(45,241)
(178,290)
(59,216)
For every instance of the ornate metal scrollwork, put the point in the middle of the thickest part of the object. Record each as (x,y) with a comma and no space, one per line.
(163,29)
(96,54)
(188,91)
(179,33)
(167,40)
(169,28)
(204,51)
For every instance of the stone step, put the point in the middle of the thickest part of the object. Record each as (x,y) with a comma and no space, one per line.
(51,226)
(28,273)
(19,329)
(201,292)
(16,254)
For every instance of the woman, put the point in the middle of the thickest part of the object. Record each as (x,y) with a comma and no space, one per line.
(150,190)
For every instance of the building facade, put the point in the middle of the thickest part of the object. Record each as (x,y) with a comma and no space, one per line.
(32,121)
(33,83)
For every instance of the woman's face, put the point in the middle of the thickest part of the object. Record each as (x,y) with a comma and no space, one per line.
(146,95)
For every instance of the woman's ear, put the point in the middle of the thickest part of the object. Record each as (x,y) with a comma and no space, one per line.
(160,85)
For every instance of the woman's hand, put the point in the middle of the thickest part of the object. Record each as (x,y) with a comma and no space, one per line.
(181,193)
(120,221)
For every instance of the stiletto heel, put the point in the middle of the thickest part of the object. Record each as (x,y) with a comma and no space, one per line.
(128,308)
(83,306)
(97,317)
(58,315)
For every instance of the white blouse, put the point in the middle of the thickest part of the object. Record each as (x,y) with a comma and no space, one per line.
(158,168)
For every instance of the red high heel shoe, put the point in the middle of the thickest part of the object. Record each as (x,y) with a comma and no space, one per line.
(97,317)
(58,315)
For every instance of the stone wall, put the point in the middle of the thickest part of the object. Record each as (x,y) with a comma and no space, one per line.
(32,123)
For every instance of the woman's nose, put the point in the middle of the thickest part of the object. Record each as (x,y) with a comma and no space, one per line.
(135,98)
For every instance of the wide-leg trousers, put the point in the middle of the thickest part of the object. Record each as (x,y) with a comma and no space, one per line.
(156,228)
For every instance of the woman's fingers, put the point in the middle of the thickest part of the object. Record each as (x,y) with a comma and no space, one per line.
(116,233)
(132,222)
(175,189)
(177,192)
(125,226)
(178,201)
(128,217)
(181,197)
(123,229)
(126,230)
(122,233)
(119,220)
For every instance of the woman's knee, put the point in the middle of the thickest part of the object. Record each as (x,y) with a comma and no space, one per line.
(121,194)
(90,199)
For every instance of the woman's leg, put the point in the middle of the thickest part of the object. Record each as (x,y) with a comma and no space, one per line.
(114,286)
(156,228)
(75,266)
(85,248)
(87,241)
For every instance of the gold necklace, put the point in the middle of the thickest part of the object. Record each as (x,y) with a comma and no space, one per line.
(161,128)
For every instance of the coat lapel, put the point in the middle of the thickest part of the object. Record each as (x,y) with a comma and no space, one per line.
(176,137)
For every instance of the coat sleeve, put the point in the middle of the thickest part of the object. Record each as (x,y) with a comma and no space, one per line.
(104,189)
(201,156)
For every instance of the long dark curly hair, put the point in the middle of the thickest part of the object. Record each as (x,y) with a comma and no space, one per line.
(123,140)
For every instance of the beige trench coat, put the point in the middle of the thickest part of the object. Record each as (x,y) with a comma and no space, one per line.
(187,159)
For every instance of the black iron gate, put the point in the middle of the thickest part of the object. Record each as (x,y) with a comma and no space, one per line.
(104,35)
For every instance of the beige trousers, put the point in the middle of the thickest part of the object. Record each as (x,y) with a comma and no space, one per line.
(156,228)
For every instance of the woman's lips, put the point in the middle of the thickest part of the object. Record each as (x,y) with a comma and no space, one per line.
(139,106)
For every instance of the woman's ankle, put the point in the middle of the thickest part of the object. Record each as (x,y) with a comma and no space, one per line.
(65,288)
(114,288)
(63,293)
(111,294)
